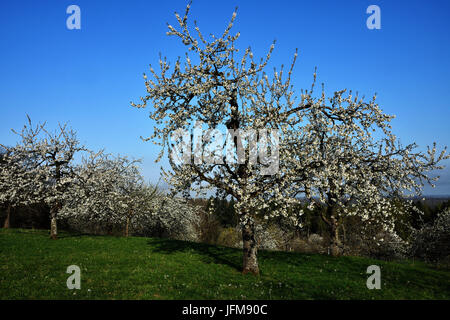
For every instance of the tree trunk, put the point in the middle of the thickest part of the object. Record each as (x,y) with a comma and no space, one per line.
(53,228)
(8,217)
(53,224)
(333,224)
(344,237)
(335,244)
(56,206)
(250,260)
(127,226)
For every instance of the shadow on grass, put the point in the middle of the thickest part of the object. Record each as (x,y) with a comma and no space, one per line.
(209,253)
(78,235)
(271,285)
(45,232)
(231,257)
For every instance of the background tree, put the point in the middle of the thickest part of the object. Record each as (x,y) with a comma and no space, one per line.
(362,167)
(109,191)
(133,196)
(224,210)
(96,193)
(431,242)
(20,173)
(51,155)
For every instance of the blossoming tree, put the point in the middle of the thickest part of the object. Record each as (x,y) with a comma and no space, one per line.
(53,157)
(222,91)
(108,190)
(20,172)
(361,166)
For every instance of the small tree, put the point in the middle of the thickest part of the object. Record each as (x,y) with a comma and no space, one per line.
(139,200)
(7,169)
(58,150)
(20,172)
(171,217)
(110,191)
(432,241)
(133,195)
(92,196)
(52,161)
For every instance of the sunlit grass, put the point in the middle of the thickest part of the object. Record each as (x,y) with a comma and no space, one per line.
(32,266)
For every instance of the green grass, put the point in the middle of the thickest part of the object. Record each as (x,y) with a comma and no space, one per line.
(32,266)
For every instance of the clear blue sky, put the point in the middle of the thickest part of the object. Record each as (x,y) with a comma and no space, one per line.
(89,76)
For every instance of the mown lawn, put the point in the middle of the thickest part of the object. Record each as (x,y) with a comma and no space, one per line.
(32,266)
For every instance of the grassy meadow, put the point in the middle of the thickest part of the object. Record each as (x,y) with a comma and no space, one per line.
(32,266)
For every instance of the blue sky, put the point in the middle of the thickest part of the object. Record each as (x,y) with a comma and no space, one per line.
(89,76)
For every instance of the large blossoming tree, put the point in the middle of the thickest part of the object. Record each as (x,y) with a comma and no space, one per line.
(224,90)
(323,146)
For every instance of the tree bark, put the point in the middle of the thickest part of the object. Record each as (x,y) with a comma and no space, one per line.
(335,245)
(250,248)
(55,207)
(53,224)
(333,223)
(127,226)
(8,217)
(53,228)
(250,260)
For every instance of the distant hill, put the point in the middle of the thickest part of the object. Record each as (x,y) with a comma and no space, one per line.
(433,200)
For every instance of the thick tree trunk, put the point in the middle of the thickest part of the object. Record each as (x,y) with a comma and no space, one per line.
(53,224)
(53,228)
(335,243)
(250,260)
(8,218)
(127,226)
(56,206)
(333,224)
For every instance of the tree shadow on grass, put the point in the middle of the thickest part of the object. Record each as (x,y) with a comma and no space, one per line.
(63,234)
(291,258)
(275,286)
(80,235)
(232,257)
(208,253)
